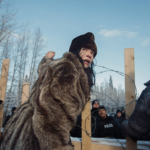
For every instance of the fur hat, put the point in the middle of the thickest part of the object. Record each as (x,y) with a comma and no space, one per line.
(86,40)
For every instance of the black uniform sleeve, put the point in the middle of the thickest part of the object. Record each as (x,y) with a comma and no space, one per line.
(5,122)
(95,128)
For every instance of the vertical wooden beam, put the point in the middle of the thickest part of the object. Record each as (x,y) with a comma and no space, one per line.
(129,90)
(3,86)
(25,92)
(86,139)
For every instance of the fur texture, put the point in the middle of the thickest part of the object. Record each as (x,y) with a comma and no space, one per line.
(86,40)
(45,120)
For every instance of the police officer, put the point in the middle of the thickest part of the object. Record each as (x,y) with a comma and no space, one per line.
(94,110)
(106,126)
(119,117)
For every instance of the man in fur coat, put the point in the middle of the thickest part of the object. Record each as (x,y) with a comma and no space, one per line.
(57,97)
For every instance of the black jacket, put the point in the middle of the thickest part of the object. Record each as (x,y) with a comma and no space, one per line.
(94,115)
(120,119)
(108,127)
(94,112)
(6,120)
(139,122)
(123,116)
(76,131)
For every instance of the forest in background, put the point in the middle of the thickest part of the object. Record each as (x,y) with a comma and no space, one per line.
(23,48)
(111,97)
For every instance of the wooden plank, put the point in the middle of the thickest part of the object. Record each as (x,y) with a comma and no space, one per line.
(105,147)
(86,139)
(77,145)
(129,89)
(109,146)
(25,92)
(3,86)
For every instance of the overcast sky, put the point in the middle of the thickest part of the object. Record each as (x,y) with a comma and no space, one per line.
(116,25)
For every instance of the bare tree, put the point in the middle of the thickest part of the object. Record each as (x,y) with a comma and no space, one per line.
(6,50)
(23,48)
(109,96)
(37,46)
(121,96)
(7,20)
(17,48)
(17,74)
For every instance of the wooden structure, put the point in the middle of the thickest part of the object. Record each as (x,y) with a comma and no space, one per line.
(109,144)
(3,87)
(86,143)
(130,89)
(86,126)
(25,92)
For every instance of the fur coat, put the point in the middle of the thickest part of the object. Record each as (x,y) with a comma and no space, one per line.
(57,97)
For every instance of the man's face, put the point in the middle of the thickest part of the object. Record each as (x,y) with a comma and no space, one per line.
(87,56)
(119,114)
(95,105)
(102,113)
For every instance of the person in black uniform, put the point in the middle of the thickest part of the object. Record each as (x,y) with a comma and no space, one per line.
(123,113)
(76,131)
(119,117)
(13,110)
(94,112)
(106,126)
(95,107)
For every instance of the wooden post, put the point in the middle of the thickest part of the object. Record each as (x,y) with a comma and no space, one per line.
(3,87)
(86,139)
(129,90)
(25,92)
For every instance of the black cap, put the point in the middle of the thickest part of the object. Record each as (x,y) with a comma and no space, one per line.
(13,109)
(118,110)
(102,107)
(95,101)
(122,109)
